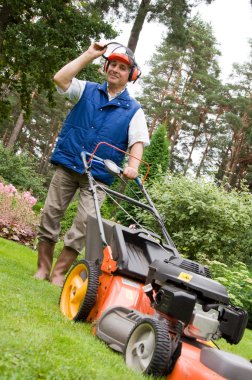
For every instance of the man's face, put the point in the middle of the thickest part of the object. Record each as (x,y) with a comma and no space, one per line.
(118,74)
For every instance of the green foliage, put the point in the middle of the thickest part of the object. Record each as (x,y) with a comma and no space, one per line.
(107,209)
(238,283)
(37,38)
(20,171)
(204,220)
(157,156)
(37,207)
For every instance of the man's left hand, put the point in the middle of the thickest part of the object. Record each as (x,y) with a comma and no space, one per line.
(130,172)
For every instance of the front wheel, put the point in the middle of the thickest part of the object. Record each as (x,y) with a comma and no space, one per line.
(148,349)
(78,295)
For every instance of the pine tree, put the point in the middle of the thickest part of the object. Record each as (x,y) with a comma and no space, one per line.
(237,159)
(183,90)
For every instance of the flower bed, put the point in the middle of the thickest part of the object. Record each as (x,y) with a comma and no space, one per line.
(17,219)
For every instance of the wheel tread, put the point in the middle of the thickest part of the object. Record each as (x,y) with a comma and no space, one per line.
(159,365)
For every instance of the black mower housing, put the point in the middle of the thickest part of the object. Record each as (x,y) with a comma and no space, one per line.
(177,290)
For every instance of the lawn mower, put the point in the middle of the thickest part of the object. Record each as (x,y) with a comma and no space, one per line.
(161,311)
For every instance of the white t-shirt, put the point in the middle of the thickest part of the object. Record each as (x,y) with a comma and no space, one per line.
(138,131)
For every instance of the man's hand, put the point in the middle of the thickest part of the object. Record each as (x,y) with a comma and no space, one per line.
(96,50)
(131,170)
(130,173)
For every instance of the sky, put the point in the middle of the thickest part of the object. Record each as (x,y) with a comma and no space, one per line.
(231,21)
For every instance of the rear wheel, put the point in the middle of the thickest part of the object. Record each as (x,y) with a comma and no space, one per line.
(149,348)
(78,295)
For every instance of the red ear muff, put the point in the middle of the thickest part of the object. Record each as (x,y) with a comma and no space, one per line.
(134,74)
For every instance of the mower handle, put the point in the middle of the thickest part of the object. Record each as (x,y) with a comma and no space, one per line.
(92,155)
(110,165)
(114,169)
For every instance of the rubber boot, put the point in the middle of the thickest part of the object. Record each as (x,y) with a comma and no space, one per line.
(45,260)
(64,262)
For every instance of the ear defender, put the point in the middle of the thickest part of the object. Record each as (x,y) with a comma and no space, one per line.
(133,75)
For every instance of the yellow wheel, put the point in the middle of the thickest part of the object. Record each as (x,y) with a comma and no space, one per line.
(78,295)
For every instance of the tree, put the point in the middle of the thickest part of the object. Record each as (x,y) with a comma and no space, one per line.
(157,154)
(237,153)
(171,13)
(182,90)
(37,38)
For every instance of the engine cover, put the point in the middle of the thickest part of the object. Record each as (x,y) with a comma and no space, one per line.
(201,303)
(161,273)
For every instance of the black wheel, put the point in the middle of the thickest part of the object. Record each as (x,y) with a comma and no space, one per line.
(149,348)
(78,295)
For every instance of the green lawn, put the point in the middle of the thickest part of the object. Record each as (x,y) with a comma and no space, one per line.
(37,342)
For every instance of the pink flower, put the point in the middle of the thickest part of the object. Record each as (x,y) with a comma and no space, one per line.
(10,189)
(29,198)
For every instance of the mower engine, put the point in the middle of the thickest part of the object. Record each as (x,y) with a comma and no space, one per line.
(185,293)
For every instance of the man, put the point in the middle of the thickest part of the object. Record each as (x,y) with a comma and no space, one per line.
(101,113)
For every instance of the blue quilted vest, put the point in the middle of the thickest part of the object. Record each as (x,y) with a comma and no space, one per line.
(92,120)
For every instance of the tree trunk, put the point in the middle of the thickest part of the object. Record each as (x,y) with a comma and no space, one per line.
(16,130)
(203,157)
(189,159)
(48,150)
(163,95)
(138,24)
(209,139)
(237,145)
(175,126)
(18,127)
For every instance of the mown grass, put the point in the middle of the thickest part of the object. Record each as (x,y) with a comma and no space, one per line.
(37,342)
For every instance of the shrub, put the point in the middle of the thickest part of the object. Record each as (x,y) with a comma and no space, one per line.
(237,282)
(204,220)
(17,219)
(20,170)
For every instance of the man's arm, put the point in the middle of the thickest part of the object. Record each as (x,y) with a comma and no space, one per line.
(64,76)
(131,171)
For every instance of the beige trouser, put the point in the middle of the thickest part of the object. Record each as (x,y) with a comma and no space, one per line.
(63,187)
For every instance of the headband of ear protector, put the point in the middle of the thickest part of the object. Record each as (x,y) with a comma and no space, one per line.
(116,51)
